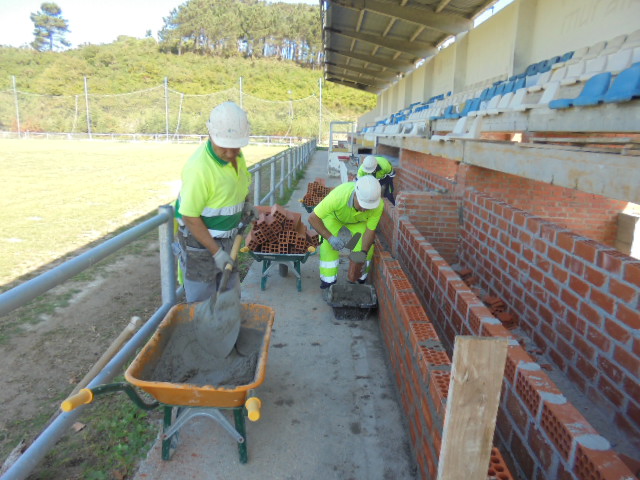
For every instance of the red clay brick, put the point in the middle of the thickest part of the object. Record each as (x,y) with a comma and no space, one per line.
(598,339)
(605,302)
(565,241)
(586,249)
(627,360)
(632,274)
(498,467)
(622,290)
(599,464)
(611,261)
(590,314)
(439,389)
(578,286)
(628,316)
(616,331)
(562,423)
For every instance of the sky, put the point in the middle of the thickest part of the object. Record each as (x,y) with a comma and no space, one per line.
(91,21)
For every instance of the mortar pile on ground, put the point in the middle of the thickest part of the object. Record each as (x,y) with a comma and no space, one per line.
(280,231)
(316,191)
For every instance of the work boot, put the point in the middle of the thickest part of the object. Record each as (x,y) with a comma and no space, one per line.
(324,285)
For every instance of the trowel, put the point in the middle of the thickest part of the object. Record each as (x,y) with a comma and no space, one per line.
(217,320)
(353,241)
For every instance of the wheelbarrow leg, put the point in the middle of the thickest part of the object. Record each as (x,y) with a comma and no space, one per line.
(168,444)
(238,415)
(296,267)
(263,280)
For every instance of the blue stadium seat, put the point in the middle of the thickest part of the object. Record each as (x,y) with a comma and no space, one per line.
(593,89)
(566,56)
(625,87)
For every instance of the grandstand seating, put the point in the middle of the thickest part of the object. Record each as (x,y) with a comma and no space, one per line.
(605,72)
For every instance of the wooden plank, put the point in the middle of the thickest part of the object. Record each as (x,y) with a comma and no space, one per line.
(472,405)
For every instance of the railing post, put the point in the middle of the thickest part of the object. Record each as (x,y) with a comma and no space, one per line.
(283,159)
(167,260)
(257,196)
(272,184)
(289,157)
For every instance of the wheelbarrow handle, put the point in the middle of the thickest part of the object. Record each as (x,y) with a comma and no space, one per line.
(244,249)
(253,405)
(83,397)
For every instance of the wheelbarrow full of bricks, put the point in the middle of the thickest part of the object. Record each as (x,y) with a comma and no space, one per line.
(316,191)
(278,237)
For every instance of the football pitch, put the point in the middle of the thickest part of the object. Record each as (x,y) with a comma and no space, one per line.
(61,195)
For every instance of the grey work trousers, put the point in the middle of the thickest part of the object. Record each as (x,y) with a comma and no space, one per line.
(200,273)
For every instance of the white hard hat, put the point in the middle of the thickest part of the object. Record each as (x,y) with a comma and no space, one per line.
(228,126)
(368,192)
(369,164)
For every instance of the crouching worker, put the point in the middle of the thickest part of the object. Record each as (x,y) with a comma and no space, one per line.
(382,169)
(356,206)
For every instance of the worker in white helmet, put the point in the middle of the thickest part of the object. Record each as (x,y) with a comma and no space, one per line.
(356,206)
(213,198)
(381,169)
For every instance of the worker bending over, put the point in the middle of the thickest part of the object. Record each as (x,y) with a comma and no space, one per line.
(213,197)
(356,206)
(382,169)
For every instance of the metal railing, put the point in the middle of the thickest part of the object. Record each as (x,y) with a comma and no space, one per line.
(290,162)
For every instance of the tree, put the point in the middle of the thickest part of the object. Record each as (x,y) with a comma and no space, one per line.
(50,28)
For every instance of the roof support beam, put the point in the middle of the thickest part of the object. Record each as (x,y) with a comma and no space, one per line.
(420,50)
(446,23)
(379,74)
(356,79)
(396,65)
(352,85)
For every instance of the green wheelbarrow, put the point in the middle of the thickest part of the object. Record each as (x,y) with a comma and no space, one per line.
(283,261)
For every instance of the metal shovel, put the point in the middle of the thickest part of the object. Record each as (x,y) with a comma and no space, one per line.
(217,320)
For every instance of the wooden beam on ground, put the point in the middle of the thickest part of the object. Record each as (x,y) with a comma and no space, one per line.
(472,405)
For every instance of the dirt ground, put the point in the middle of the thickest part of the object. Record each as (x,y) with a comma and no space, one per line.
(44,355)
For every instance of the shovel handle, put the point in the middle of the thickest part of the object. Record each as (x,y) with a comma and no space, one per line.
(83,397)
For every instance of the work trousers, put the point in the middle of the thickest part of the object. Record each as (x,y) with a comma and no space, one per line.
(200,275)
(329,257)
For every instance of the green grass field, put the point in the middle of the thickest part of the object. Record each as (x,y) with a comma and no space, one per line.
(62,195)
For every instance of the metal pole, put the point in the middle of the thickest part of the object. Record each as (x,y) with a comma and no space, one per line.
(289,160)
(48,438)
(320,110)
(166,106)
(272,183)
(257,196)
(167,260)
(283,160)
(86,101)
(18,296)
(241,92)
(15,96)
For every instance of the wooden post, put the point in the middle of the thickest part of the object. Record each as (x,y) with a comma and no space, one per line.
(472,405)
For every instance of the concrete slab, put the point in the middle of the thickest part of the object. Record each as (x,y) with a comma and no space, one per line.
(329,406)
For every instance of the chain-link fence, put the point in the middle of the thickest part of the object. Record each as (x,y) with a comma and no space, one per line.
(156,111)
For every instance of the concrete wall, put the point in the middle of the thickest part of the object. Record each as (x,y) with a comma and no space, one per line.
(522,33)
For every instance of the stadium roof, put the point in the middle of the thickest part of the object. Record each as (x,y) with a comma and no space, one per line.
(368,43)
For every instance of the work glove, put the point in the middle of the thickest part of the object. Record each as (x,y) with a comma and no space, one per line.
(337,243)
(222,258)
(248,212)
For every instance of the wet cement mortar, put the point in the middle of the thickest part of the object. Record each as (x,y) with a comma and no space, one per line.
(184,360)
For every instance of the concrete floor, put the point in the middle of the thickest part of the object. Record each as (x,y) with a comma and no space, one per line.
(329,406)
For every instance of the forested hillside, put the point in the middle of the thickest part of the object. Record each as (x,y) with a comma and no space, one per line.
(281,96)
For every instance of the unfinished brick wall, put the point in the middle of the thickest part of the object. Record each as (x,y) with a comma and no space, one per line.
(437,218)
(421,172)
(541,434)
(575,298)
(421,366)
(590,215)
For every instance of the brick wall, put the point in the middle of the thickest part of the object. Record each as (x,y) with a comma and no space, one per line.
(575,298)
(541,434)
(421,366)
(590,215)
(420,172)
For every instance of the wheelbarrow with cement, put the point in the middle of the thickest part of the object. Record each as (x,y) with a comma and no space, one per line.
(187,385)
